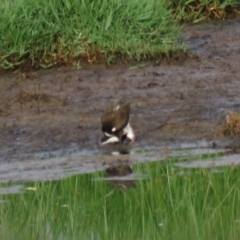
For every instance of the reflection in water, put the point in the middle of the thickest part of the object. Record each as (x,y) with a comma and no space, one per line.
(55,167)
(227,160)
(12,189)
(121,177)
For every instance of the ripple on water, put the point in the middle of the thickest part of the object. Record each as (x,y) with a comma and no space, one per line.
(228,160)
(15,189)
(54,168)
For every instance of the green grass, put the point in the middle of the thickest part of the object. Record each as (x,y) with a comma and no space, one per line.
(172,204)
(61,31)
(44,33)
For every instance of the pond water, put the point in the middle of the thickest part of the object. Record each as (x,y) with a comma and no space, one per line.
(155,200)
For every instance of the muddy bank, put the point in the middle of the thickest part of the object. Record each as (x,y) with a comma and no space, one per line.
(60,109)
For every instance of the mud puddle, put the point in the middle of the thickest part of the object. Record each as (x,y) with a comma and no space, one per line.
(50,120)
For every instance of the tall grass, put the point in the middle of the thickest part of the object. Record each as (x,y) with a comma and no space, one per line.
(171,204)
(62,31)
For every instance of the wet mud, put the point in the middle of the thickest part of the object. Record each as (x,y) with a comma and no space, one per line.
(57,112)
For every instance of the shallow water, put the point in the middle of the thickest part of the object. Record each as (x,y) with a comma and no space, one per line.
(40,168)
(156,201)
(229,160)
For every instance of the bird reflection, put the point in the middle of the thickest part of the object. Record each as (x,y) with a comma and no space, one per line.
(121,177)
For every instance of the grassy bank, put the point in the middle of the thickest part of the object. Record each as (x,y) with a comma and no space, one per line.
(172,204)
(58,31)
(44,33)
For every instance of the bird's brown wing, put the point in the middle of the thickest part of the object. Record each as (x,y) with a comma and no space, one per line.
(116,116)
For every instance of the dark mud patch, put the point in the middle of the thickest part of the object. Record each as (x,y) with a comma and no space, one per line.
(172,104)
(28,97)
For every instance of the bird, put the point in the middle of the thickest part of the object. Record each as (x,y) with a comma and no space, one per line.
(120,177)
(115,123)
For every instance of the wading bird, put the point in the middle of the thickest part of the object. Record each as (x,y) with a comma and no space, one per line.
(115,124)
